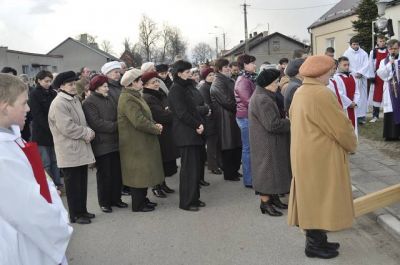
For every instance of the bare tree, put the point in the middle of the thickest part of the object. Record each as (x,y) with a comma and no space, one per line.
(148,35)
(201,52)
(177,45)
(165,37)
(106,46)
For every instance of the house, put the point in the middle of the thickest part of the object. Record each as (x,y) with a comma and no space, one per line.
(335,28)
(30,63)
(79,53)
(267,47)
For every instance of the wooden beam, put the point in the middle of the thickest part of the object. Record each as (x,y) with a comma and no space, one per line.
(376,200)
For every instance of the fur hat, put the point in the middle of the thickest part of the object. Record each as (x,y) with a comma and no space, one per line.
(267,76)
(64,77)
(97,81)
(162,68)
(317,65)
(130,76)
(107,67)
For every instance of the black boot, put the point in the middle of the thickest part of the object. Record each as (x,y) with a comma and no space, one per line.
(267,207)
(330,245)
(276,201)
(157,191)
(166,189)
(315,247)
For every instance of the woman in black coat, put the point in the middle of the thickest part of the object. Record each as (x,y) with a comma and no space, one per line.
(224,107)
(188,130)
(39,101)
(213,152)
(158,103)
(101,115)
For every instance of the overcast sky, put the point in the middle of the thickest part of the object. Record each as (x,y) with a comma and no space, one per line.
(40,25)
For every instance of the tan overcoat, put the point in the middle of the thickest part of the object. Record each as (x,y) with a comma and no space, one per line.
(321,139)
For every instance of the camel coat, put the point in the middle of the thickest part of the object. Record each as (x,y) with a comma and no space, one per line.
(321,139)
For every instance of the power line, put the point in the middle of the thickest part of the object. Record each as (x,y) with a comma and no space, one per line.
(293,8)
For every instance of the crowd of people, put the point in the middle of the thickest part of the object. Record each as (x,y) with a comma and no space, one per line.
(290,128)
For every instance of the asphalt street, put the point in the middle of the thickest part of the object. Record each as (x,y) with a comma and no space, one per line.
(230,230)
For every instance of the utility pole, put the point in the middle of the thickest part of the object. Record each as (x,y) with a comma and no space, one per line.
(223,35)
(216,47)
(246,42)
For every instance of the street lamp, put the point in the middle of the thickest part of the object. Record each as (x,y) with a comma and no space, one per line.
(382,6)
(382,25)
(216,44)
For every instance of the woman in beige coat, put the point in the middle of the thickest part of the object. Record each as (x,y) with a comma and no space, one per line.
(321,139)
(72,139)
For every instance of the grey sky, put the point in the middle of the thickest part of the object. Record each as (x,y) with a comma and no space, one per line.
(39,25)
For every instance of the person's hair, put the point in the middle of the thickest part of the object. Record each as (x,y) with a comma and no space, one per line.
(297,54)
(232,64)
(42,75)
(8,70)
(391,43)
(281,61)
(180,66)
(245,59)
(354,39)
(330,50)
(380,36)
(342,59)
(10,88)
(220,63)
(82,69)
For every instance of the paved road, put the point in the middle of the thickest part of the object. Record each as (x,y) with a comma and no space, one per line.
(230,230)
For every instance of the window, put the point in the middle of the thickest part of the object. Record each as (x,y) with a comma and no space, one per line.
(276,44)
(330,42)
(25,69)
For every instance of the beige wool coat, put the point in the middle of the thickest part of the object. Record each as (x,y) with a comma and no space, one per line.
(321,139)
(69,128)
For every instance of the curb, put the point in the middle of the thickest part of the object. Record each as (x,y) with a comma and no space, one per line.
(384,217)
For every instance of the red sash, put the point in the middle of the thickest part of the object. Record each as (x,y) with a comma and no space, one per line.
(337,92)
(350,85)
(31,151)
(378,90)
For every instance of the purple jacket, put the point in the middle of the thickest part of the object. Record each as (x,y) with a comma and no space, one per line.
(244,88)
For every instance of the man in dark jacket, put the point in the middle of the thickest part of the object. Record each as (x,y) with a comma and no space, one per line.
(296,80)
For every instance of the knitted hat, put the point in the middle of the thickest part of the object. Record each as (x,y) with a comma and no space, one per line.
(97,81)
(205,72)
(107,67)
(162,68)
(147,67)
(292,69)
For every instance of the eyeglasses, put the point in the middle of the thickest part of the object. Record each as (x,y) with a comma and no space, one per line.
(155,81)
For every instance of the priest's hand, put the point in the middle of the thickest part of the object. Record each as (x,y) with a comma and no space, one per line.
(358,75)
(352,105)
(200,130)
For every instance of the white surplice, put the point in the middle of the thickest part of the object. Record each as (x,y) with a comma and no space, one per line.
(32,231)
(372,73)
(385,72)
(359,63)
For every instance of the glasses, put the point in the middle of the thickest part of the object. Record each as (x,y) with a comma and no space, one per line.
(155,82)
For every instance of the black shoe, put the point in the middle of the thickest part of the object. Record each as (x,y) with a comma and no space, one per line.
(125,193)
(106,209)
(277,202)
(157,191)
(191,208)
(145,209)
(204,183)
(316,246)
(150,204)
(121,204)
(166,189)
(216,171)
(80,220)
(249,186)
(267,207)
(233,179)
(239,175)
(88,215)
(200,204)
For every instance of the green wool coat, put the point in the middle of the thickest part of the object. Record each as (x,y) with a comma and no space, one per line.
(139,146)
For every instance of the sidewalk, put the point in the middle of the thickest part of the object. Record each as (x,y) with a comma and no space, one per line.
(372,170)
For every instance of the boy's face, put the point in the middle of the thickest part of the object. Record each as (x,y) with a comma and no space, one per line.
(381,42)
(16,113)
(344,66)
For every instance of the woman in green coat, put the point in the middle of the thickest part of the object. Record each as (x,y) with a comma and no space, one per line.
(140,152)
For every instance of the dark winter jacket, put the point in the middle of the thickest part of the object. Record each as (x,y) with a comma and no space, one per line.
(101,116)
(115,90)
(39,102)
(158,103)
(224,107)
(211,122)
(186,116)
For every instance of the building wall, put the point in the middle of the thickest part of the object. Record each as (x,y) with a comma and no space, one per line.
(339,32)
(29,64)
(274,49)
(76,56)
